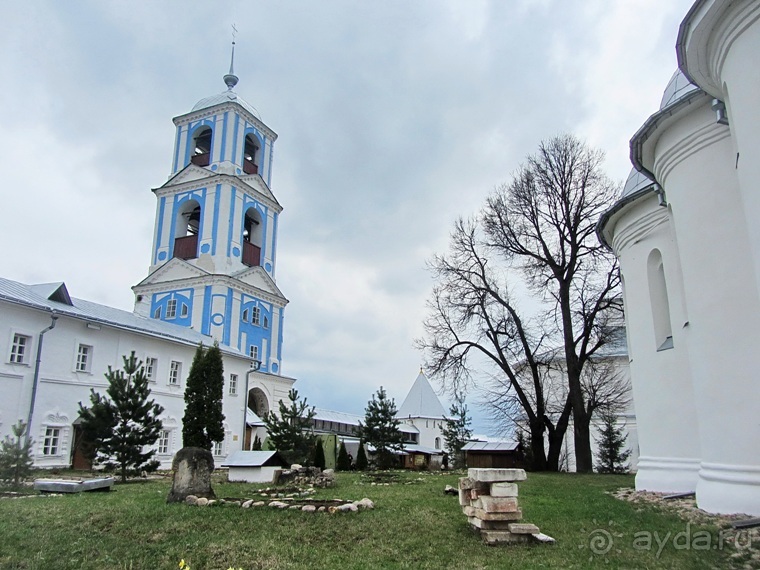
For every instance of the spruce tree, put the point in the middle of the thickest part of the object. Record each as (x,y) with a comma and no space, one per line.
(344,462)
(202,423)
(610,456)
(361,458)
(292,432)
(16,456)
(256,446)
(456,431)
(381,428)
(319,455)
(121,425)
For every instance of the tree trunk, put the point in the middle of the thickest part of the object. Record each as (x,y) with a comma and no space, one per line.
(584,460)
(537,447)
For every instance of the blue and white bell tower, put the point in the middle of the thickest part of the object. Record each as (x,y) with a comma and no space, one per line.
(214,253)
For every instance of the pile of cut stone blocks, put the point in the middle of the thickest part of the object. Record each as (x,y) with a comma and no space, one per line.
(489,500)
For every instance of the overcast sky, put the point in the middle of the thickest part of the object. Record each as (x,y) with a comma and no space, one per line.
(393,118)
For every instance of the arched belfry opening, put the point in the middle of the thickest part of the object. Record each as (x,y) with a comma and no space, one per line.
(201,148)
(186,230)
(251,154)
(253,236)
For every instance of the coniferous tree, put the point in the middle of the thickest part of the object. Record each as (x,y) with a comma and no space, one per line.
(256,444)
(291,433)
(202,423)
(381,428)
(611,457)
(361,458)
(16,456)
(122,424)
(343,463)
(523,440)
(319,455)
(456,431)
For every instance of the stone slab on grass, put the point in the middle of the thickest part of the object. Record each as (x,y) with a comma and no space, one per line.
(496,475)
(523,528)
(488,525)
(73,486)
(483,515)
(496,504)
(494,537)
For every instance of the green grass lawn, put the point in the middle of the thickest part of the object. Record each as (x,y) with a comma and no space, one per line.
(412,526)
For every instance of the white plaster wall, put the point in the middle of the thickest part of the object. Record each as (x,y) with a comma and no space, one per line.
(667,428)
(252,474)
(695,162)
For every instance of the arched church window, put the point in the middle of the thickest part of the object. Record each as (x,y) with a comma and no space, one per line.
(186,229)
(251,155)
(257,402)
(658,298)
(438,443)
(253,233)
(201,149)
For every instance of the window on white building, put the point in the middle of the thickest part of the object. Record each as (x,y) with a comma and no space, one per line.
(217,450)
(84,358)
(157,313)
(175,368)
(256,316)
(51,441)
(438,443)
(163,442)
(183,310)
(151,365)
(233,384)
(171,308)
(20,349)
(658,297)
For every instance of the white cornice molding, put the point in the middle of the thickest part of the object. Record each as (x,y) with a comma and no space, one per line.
(169,189)
(628,234)
(703,136)
(212,279)
(225,106)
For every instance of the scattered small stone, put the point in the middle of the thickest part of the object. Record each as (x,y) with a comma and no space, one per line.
(202,501)
(365,503)
(309,508)
(278,505)
(191,500)
(449,490)
(247,504)
(258,504)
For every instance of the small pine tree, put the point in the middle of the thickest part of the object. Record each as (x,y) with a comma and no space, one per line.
(121,425)
(203,422)
(456,431)
(256,444)
(381,428)
(292,433)
(523,439)
(343,463)
(361,458)
(610,457)
(16,456)
(319,455)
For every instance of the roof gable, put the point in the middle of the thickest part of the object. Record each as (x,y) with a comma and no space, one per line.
(173,270)
(188,174)
(55,292)
(421,401)
(257,277)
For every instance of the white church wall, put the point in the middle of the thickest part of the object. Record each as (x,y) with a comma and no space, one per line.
(667,429)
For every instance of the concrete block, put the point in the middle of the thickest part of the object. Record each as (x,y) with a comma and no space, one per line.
(464,497)
(494,537)
(496,475)
(503,490)
(523,528)
(488,525)
(496,504)
(465,483)
(485,516)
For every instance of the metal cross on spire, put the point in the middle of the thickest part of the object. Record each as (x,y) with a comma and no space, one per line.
(231,79)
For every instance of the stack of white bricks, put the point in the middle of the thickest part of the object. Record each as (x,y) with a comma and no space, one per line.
(489,500)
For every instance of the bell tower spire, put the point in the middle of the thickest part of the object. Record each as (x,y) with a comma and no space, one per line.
(231,79)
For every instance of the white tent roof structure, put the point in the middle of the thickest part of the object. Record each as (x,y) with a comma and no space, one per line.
(421,401)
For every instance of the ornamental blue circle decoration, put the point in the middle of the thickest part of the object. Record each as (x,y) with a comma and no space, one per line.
(236,251)
(217,319)
(161,255)
(205,248)
(214,167)
(268,267)
(238,171)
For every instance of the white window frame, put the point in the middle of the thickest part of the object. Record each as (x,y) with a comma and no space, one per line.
(83,362)
(256,316)
(171,309)
(21,356)
(253,352)
(151,367)
(183,310)
(157,313)
(217,448)
(233,384)
(245,315)
(164,442)
(175,371)
(51,442)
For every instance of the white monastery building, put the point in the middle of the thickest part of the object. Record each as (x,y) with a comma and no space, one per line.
(687,235)
(211,278)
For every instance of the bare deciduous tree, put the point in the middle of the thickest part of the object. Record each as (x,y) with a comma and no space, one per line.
(543,222)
